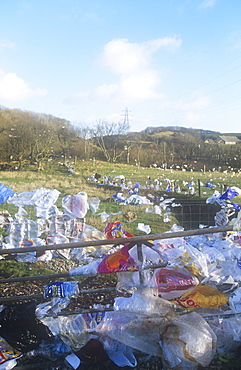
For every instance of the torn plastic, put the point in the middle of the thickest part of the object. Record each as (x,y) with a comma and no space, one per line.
(94,203)
(187,341)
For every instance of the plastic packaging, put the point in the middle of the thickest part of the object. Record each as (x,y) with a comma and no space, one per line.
(94,203)
(119,353)
(5,193)
(52,349)
(118,261)
(61,289)
(114,230)
(144,302)
(141,332)
(188,341)
(203,296)
(144,256)
(76,205)
(7,354)
(71,329)
(174,282)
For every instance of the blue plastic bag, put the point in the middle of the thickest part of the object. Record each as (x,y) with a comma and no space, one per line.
(229,194)
(5,193)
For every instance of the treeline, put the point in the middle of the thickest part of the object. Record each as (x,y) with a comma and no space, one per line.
(27,136)
(37,138)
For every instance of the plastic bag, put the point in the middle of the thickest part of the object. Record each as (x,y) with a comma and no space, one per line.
(119,353)
(228,332)
(193,260)
(144,302)
(46,213)
(141,332)
(5,193)
(142,227)
(230,193)
(118,261)
(188,341)
(20,327)
(135,199)
(76,205)
(94,203)
(212,255)
(45,198)
(203,296)
(173,282)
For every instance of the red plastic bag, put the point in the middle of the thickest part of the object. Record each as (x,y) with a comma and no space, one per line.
(174,282)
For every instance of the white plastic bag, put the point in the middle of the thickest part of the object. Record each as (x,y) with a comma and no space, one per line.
(119,353)
(76,205)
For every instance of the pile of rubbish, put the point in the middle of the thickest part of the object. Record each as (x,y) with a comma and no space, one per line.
(184,302)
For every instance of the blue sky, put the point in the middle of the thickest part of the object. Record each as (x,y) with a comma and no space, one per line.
(170,62)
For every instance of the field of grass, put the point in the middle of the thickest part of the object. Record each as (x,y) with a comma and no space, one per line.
(58,177)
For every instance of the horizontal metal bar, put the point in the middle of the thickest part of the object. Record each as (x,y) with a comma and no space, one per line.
(39,296)
(117,241)
(79,312)
(67,275)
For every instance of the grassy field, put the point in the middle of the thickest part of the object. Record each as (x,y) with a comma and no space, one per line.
(58,177)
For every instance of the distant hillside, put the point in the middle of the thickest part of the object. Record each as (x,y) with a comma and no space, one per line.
(170,130)
(152,130)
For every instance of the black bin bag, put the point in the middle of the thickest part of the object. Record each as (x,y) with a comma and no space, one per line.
(20,327)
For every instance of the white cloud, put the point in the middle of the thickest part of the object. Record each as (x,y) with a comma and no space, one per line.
(6,45)
(124,57)
(132,63)
(208,3)
(14,89)
(135,79)
(140,86)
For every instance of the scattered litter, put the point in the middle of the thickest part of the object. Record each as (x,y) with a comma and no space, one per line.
(185,311)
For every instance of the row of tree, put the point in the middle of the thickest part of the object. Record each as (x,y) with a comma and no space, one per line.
(36,138)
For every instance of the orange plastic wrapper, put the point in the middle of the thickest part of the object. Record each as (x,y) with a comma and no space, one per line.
(118,261)
(202,296)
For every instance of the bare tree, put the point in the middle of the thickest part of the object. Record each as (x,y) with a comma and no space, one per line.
(108,137)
